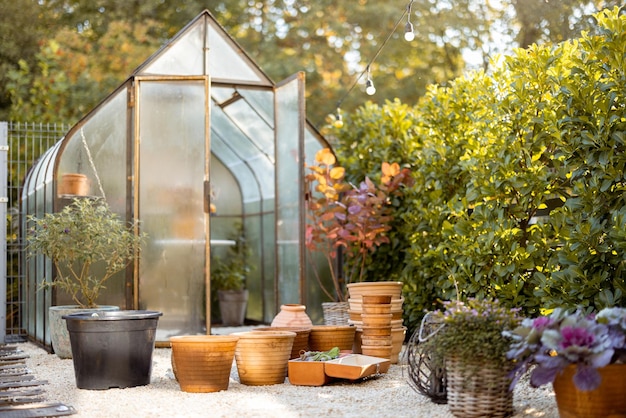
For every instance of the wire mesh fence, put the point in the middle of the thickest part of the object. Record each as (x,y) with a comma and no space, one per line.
(26,141)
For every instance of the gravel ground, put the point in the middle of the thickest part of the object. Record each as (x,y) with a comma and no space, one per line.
(389,395)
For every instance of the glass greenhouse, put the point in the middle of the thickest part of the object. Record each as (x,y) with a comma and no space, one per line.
(197,125)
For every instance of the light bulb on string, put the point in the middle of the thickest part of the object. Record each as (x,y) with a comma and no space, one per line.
(409,35)
(369,84)
(338,122)
(369,87)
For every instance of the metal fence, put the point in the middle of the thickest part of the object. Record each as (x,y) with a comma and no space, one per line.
(26,142)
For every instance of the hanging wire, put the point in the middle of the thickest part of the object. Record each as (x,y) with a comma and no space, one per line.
(406,11)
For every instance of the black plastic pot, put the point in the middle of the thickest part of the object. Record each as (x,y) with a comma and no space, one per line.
(112,349)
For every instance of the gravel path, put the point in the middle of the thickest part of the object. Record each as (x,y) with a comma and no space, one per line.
(387,396)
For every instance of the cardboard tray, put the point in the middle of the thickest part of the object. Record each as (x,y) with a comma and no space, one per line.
(356,366)
(349,367)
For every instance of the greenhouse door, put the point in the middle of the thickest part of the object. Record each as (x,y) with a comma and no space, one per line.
(172,166)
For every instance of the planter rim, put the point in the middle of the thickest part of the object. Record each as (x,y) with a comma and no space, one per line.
(78,307)
(332,327)
(114,315)
(264,334)
(203,339)
(373,284)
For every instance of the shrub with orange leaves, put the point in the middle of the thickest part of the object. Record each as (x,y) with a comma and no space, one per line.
(348,218)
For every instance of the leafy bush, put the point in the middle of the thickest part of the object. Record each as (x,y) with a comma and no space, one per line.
(519,191)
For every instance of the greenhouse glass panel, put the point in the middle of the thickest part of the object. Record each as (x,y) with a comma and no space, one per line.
(255,129)
(289,157)
(172,122)
(227,61)
(183,57)
(263,104)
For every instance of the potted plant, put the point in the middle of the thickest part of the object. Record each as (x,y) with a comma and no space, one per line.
(470,345)
(87,244)
(582,354)
(346,219)
(228,277)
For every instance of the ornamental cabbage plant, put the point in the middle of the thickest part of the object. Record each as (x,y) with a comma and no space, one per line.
(548,344)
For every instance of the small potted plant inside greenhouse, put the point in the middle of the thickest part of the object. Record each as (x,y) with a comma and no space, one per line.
(228,278)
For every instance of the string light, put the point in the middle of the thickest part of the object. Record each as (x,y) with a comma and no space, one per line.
(338,122)
(409,34)
(369,84)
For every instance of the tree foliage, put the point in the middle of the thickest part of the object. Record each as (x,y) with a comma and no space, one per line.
(332,41)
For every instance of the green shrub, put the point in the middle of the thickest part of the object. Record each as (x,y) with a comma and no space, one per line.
(519,179)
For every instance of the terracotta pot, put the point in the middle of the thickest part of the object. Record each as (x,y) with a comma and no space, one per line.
(608,400)
(375,340)
(376,331)
(262,357)
(376,320)
(357,290)
(375,299)
(376,308)
(358,339)
(354,315)
(382,351)
(292,315)
(300,342)
(74,184)
(202,363)
(397,340)
(326,337)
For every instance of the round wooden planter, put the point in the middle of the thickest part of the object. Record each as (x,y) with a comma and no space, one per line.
(376,320)
(397,338)
(326,337)
(74,184)
(357,290)
(202,363)
(300,342)
(292,315)
(262,357)
(608,400)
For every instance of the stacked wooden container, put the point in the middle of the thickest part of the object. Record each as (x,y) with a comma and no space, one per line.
(376,326)
(357,293)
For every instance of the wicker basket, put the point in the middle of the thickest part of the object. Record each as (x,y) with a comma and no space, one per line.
(478,394)
(336,313)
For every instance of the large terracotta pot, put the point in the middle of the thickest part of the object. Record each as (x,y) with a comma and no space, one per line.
(300,342)
(202,363)
(292,315)
(608,400)
(262,357)
(326,337)
(357,290)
